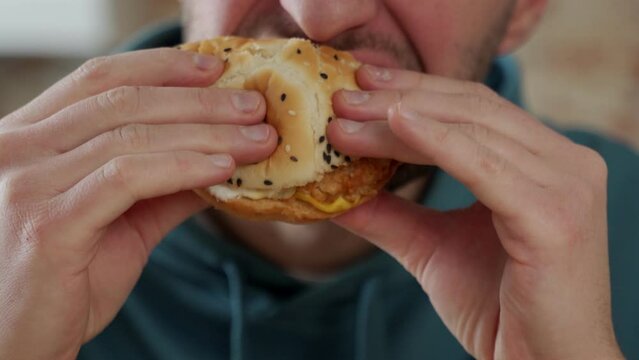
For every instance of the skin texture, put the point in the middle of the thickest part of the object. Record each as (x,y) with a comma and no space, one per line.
(95,170)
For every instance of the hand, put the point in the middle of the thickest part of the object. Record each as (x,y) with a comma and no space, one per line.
(94,172)
(521,274)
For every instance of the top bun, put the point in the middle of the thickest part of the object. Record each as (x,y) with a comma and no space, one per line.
(297,79)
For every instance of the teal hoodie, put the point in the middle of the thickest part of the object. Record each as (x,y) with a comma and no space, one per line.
(202,296)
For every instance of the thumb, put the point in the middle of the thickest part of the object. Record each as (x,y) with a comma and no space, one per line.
(407,231)
(154,218)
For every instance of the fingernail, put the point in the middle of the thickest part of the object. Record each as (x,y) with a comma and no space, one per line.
(258,133)
(245,101)
(349,126)
(221,160)
(378,74)
(355,97)
(205,62)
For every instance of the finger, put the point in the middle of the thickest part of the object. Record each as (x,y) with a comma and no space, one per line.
(157,67)
(371,139)
(416,230)
(107,193)
(246,144)
(147,105)
(375,139)
(371,77)
(495,181)
(493,113)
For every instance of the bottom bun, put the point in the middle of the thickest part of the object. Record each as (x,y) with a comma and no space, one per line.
(357,183)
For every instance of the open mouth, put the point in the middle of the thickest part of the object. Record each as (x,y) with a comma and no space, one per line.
(375,57)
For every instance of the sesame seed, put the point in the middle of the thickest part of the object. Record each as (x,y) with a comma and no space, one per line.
(239,182)
(287,148)
(292,113)
(333,167)
(299,51)
(283,97)
(227,50)
(329,148)
(326,157)
(316,45)
(336,57)
(347,158)
(324,76)
(322,138)
(330,118)
(337,153)
(229,181)
(268,182)
(293,158)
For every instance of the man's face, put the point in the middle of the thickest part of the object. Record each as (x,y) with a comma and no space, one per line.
(454,38)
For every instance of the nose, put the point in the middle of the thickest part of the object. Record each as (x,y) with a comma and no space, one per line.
(322,20)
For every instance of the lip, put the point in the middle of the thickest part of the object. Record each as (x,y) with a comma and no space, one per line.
(375,58)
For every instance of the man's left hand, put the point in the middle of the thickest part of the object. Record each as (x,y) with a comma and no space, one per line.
(521,274)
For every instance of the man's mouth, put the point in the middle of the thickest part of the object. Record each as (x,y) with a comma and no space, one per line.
(375,57)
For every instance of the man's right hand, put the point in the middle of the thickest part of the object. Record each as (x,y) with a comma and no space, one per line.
(94,172)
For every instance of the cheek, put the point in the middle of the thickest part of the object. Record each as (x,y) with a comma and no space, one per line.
(442,31)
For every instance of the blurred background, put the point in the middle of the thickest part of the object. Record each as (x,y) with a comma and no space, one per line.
(581,69)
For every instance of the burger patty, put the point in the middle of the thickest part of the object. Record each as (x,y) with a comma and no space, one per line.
(359,179)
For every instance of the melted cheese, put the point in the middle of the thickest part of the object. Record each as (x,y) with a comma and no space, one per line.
(339,205)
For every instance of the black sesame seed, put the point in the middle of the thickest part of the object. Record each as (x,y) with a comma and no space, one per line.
(238,182)
(322,138)
(327,158)
(324,76)
(283,97)
(337,153)
(268,182)
(330,118)
(336,57)
(293,158)
(299,51)
(279,140)
(347,158)
(227,50)
(329,148)
(230,181)
(333,167)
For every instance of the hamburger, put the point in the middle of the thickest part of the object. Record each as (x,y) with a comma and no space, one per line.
(305,179)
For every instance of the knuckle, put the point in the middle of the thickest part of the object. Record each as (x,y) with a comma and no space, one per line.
(474,131)
(205,99)
(442,134)
(182,162)
(93,70)
(596,164)
(478,88)
(117,172)
(123,100)
(481,104)
(489,162)
(135,136)
(16,187)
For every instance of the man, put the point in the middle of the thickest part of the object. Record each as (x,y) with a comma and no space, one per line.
(97,170)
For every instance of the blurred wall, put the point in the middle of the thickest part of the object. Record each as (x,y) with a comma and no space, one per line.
(580,69)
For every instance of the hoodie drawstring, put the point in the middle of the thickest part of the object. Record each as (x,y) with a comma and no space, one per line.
(236,311)
(369,335)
